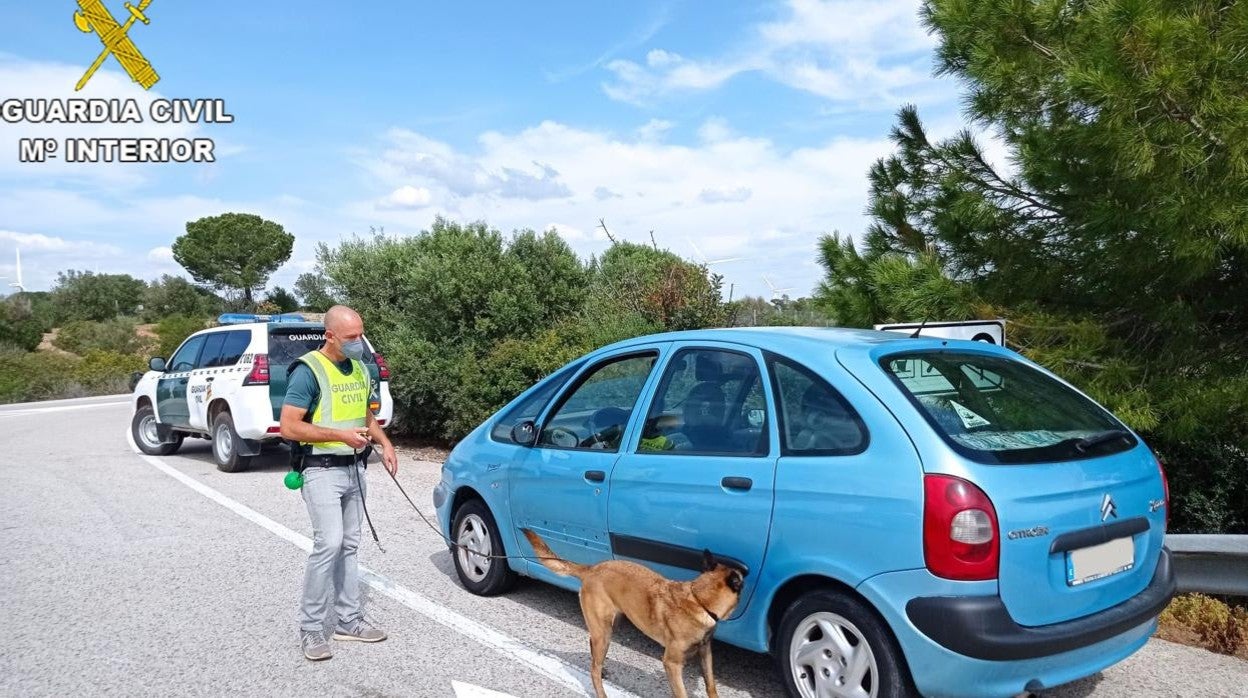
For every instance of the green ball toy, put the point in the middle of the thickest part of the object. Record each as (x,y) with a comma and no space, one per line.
(294,480)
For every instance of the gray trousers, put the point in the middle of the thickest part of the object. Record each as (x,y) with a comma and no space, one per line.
(336,509)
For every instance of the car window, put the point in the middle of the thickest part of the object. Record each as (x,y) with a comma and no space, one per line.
(236,343)
(815,419)
(211,353)
(595,413)
(287,344)
(709,401)
(998,410)
(184,358)
(531,406)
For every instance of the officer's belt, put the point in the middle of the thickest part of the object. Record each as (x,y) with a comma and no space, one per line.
(332,461)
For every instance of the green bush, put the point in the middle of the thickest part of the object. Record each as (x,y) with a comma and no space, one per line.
(82,336)
(82,295)
(174,295)
(30,376)
(173,330)
(107,372)
(19,329)
(468,318)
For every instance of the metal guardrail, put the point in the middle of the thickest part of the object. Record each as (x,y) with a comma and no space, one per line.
(1210,564)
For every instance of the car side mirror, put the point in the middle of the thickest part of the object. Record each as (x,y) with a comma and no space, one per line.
(524,433)
(156,363)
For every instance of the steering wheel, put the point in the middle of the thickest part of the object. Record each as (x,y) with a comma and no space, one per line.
(606,426)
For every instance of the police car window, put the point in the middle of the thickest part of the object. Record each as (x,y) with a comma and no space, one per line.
(815,420)
(211,353)
(288,344)
(236,343)
(184,359)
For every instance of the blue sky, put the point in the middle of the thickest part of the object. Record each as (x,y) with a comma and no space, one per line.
(743,130)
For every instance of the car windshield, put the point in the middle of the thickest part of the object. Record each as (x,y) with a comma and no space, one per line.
(289,343)
(997,410)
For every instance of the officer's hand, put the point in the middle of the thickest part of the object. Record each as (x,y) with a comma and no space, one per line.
(355,438)
(390,459)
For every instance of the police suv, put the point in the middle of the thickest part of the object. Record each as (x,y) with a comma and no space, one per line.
(227,384)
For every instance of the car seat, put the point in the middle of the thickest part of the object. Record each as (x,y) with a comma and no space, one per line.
(826,424)
(703,414)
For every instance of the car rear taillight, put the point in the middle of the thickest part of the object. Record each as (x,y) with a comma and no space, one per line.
(383,370)
(961,539)
(259,371)
(1165,487)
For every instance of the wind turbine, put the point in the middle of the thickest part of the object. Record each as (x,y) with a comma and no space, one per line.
(775,292)
(708,262)
(18,285)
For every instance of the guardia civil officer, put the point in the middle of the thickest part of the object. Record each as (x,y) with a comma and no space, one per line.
(326,413)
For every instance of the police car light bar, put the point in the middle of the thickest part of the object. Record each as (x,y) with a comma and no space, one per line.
(242,318)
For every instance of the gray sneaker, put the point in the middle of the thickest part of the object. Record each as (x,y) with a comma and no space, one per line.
(361,631)
(315,647)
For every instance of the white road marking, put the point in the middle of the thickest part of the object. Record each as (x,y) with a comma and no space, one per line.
(550,667)
(467,690)
(61,408)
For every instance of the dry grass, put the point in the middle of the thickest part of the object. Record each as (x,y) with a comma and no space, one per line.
(1203,621)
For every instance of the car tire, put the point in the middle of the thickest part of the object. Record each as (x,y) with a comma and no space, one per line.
(473,526)
(858,637)
(143,429)
(225,442)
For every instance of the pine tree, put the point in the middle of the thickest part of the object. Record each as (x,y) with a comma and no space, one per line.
(1115,240)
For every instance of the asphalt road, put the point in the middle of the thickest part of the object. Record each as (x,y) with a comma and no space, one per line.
(135,575)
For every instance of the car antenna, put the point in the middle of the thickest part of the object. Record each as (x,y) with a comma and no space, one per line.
(921,326)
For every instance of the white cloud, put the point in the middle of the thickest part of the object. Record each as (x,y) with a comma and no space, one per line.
(714,129)
(567,232)
(858,51)
(162,255)
(38,243)
(721,196)
(438,167)
(408,196)
(735,196)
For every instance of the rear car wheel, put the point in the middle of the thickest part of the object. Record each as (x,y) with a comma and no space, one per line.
(143,429)
(476,534)
(832,644)
(225,443)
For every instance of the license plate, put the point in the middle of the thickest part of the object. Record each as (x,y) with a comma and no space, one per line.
(1099,561)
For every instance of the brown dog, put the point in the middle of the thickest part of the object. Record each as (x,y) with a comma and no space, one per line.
(681,616)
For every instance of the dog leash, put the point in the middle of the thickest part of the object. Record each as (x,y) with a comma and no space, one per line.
(433,527)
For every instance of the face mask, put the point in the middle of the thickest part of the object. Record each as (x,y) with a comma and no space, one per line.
(353,349)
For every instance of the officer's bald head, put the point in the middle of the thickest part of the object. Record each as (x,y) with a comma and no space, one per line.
(344,323)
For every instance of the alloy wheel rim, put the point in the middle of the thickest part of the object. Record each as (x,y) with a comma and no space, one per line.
(829,657)
(474,538)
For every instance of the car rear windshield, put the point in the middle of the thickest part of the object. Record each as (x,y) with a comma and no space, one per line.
(286,344)
(997,410)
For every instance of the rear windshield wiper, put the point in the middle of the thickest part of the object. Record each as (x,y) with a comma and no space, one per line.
(1087,443)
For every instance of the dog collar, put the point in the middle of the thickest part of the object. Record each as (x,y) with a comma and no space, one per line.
(709,612)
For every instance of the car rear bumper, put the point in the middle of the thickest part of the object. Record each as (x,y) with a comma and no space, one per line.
(980,626)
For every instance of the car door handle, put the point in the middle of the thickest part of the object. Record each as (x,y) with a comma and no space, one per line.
(737,483)
(595,475)
(210,379)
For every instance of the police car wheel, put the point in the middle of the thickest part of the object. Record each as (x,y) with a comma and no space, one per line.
(225,442)
(477,536)
(143,429)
